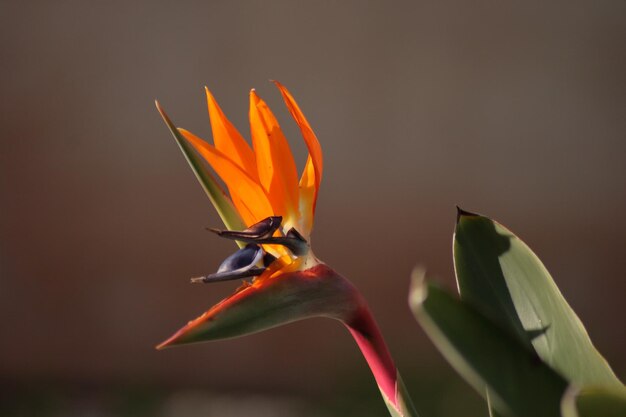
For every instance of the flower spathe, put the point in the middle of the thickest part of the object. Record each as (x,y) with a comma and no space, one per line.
(264,187)
(288,282)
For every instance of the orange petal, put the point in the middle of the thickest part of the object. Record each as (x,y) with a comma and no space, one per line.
(276,268)
(247,215)
(312,175)
(227,138)
(308,196)
(277,169)
(247,195)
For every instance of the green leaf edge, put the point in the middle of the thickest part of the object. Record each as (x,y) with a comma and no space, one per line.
(594,401)
(548,378)
(216,194)
(603,374)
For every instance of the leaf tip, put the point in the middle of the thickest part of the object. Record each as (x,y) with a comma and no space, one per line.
(158,106)
(163,345)
(161,111)
(418,291)
(461,213)
(173,340)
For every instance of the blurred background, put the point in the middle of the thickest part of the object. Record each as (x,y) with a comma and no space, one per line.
(516,111)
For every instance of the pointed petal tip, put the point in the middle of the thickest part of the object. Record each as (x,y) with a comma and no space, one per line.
(209,95)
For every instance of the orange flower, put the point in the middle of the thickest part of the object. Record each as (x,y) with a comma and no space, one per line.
(262,180)
(276,210)
(266,197)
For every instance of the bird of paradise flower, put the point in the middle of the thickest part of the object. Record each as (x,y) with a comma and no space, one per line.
(270,215)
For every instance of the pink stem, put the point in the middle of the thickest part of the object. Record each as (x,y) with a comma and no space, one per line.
(365,331)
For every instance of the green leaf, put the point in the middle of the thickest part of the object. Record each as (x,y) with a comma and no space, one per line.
(594,402)
(221,202)
(500,275)
(490,407)
(520,385)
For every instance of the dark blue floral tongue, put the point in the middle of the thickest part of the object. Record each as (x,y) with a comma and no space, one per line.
(241,264)
(252,260)
(262,230)
(263,233)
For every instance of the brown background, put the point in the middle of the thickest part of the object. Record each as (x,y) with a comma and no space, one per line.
(517,111)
